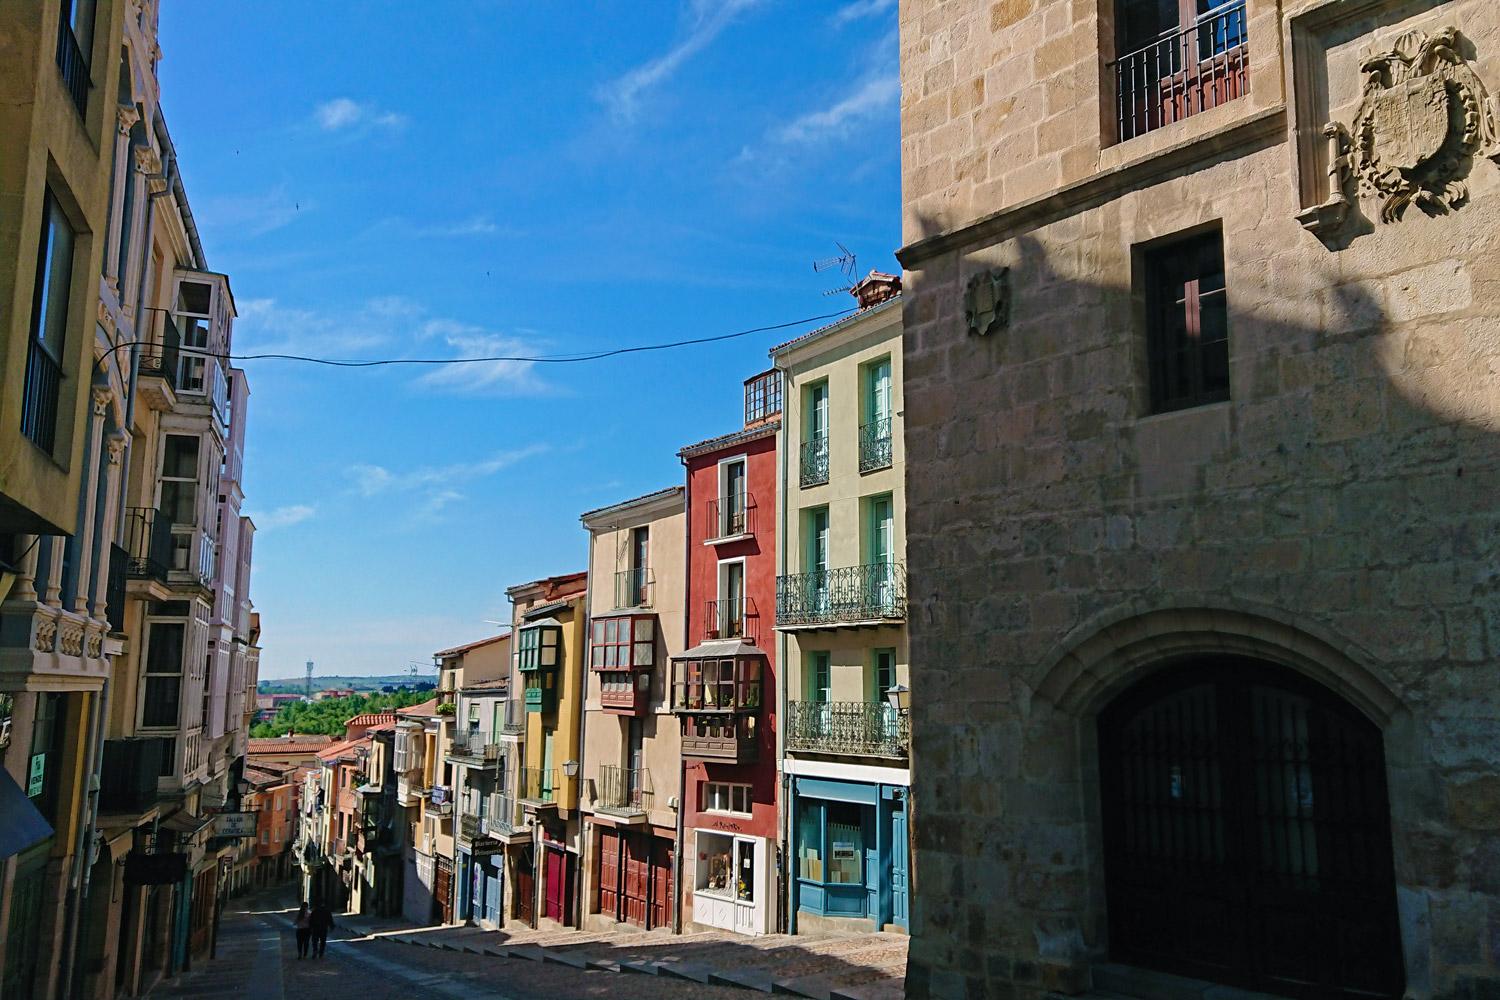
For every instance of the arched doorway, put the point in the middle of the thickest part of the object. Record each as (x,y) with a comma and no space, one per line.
(1247,832)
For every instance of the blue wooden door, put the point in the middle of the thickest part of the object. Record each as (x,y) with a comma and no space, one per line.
(492,891)
(476,893)
(899,866)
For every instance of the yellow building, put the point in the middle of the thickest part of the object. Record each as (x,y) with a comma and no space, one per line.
(841,620)
(548,650)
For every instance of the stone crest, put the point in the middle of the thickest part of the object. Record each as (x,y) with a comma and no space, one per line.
(987,302)
(1424,112)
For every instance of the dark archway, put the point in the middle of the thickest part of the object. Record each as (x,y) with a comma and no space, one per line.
(1247,832)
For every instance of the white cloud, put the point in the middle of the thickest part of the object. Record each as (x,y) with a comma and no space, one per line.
(861,9)
(708,20)
(264,326)
(478,225)
(372,480)
(343,113)
(500,377)
(433,505)
(283,517)
(876,96)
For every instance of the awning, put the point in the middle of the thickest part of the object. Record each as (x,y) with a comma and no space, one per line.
(721,649)
(22,826)
(368,789)
(185,822)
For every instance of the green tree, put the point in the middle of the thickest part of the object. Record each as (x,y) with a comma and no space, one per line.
(327,717)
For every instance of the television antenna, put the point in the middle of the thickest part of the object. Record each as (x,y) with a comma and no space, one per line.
(845,262)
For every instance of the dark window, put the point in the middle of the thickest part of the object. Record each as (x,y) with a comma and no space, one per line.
(1187,323)
(75,43)
(1176,58)
(163,673)
(49,321)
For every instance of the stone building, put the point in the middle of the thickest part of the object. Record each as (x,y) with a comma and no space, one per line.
(1202,386)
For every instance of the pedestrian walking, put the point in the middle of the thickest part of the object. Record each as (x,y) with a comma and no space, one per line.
(303,927)
(321,923)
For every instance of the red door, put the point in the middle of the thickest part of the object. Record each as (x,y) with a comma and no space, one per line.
(661,882)
(609,873)
(555,885)
(637,877)
(526,888)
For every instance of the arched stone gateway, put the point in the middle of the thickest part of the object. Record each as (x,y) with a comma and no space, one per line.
(1246,831)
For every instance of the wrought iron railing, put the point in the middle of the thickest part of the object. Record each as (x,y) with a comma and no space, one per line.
(731,516)
(161,362)
(74,66)
(728,618)
(538,784)
(624,789)
(477,745)
(860,728)
(1184,72)
(40,398)
(813,470)
(504,816)
(148,539)
(851,593)
(633,588)
(114,588)
(875,444)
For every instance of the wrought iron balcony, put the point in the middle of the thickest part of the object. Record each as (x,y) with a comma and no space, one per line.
(127,779)
(476,747)
(1183,72)
(813,470)
(538,785)
(623,791)
(856,728)
(730,619)
(504,816)
(731,517)
(875,445)
(41,396)
(633,588)
(160,360)
(851,595)
(73,63)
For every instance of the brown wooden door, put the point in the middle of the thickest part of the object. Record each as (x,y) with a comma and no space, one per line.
(609,873)
(444,889)
(637,878)
(526,888)
(662,886)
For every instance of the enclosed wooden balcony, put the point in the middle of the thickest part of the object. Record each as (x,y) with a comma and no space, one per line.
(718,692)
(622,654)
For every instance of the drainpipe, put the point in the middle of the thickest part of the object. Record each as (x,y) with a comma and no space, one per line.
(788,921)
(687,604)
(583,718)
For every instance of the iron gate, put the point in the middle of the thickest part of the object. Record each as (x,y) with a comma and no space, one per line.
(1247,833)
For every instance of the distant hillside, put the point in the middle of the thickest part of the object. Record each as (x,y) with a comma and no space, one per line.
(296,685)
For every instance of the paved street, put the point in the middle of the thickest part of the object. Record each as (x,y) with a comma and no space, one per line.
(258,959)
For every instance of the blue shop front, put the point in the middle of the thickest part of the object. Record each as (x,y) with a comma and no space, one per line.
(479,882)
(850,852)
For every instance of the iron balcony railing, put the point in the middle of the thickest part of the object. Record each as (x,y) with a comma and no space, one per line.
(813,470)
(876,591)
(858,728)
(875,444)
(114,588)
(161,362)
(477,745)
(728,618)
(633,588)
(1184,72)
(40,397)
(624,789)
(73,65)
(148,539)
(504,817)
(538,784)
(731,516)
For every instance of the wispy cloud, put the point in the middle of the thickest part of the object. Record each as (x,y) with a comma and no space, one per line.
(265,326)
(860,9)
(482,378)
(345,113)
(283,517)
(876,96)
(478,225)
(707,19)
(252,214)
(373,480)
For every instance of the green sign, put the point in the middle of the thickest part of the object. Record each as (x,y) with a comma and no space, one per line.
(38,768)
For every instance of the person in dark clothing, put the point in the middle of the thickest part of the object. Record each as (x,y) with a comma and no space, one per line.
(303,927)
(321,923)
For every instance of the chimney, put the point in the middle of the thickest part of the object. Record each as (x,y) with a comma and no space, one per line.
(875,288)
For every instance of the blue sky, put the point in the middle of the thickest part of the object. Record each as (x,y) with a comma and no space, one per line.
(452,179)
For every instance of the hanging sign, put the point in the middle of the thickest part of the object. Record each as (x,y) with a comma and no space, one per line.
(236,824)
(38,769)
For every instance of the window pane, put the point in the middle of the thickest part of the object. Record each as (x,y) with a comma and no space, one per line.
(54,275)
(164,655)
(180,457)
(194,297)
(161,701)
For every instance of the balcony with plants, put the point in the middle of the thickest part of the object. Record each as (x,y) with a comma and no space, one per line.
(719,701)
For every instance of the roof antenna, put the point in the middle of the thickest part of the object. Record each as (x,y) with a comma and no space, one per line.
(844,262)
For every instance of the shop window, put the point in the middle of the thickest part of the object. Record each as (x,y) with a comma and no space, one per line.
(714,856)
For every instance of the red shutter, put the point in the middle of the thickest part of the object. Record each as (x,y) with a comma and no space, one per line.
(556,888)
(661,882)
(637,876)
(609,873)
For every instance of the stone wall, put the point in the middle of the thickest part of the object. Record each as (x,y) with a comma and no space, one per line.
(1338,515)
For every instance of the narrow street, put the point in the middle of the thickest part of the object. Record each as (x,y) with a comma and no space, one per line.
(257,958)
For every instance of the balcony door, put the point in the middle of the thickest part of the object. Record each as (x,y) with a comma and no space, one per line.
(817,558)
(881,547)
(878,394)
(731,599)
(733,501)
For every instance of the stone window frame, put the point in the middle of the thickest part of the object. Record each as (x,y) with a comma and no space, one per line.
(1148,262)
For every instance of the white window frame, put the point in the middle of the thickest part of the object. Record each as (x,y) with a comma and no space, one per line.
(721,577)
(721,527)
(734,792)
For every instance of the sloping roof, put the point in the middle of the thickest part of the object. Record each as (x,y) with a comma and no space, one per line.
(428,707)
(894,300)
(497,684)
(342,749)
(634,501)
(720,648)
(554,588)
(725,440)
(473,645)
(288,744)
(369,719)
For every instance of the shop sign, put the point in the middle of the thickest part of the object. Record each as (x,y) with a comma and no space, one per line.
(236,824)
(38,769)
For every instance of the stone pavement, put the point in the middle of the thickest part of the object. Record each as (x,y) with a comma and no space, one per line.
(257,959)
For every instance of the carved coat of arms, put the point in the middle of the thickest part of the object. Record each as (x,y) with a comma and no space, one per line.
(1424,112)
(987,302)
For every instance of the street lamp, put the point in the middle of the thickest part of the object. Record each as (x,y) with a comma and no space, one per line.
(899,695)
(570,768)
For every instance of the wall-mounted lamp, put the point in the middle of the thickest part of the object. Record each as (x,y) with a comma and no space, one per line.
(899,696)
(570,768)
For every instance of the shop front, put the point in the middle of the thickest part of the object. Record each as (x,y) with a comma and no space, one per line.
(481,876)
(850,853)
(733,881)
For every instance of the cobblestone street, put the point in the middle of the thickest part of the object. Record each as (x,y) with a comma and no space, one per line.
(257,958)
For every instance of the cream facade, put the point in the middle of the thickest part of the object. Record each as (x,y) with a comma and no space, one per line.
(1201,424)
(632,749)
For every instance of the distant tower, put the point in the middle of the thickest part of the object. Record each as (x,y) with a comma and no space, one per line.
(308,692)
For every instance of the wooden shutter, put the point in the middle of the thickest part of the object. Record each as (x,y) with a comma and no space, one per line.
(609,873)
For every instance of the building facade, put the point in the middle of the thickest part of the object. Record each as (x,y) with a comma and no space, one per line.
(1201,424)
(840,621)
(632,760)
(724,684)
